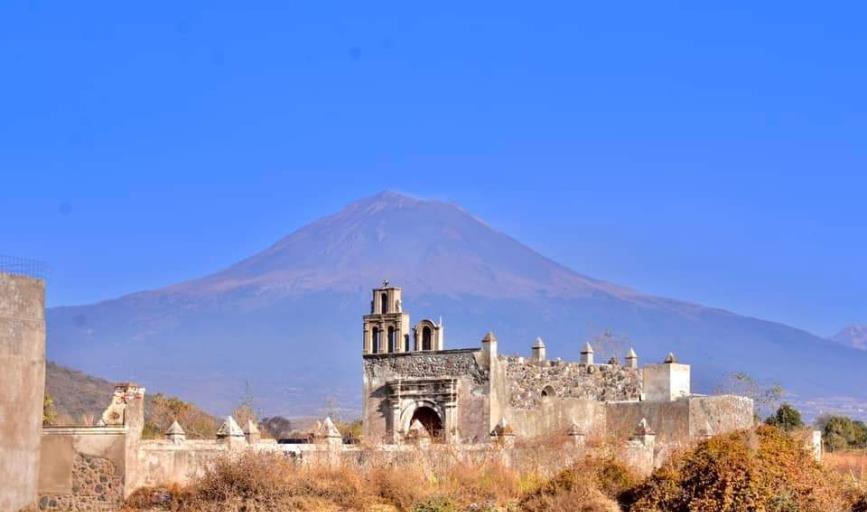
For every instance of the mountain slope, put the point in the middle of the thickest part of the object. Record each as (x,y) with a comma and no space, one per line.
(286,321)
(854,336)
(78,397)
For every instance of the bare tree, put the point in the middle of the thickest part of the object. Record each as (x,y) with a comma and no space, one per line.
(608,344)
(246,410)
(766,397)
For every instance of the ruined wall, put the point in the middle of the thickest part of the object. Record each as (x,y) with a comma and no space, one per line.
(669,420)
(22,385)
(681,422)
(555,416)
(165,463)
(473,389)
(712,415)
(526,379)
(83,469)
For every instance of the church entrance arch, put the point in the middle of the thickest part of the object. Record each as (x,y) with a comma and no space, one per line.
(430,420)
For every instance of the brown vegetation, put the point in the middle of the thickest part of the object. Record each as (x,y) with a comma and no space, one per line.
(759,470)
(762,470)
(162,410)
(851,466)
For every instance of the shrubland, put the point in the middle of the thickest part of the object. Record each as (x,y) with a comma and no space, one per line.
(763,470)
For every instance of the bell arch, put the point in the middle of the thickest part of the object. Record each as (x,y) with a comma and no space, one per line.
(428,336)
(392,345)
(375,334)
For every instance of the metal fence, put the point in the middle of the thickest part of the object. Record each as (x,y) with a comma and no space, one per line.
(23,267)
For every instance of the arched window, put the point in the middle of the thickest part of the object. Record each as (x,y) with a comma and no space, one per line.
(426,338)
(383,300)
(375,348)
(406,343)
(392,346)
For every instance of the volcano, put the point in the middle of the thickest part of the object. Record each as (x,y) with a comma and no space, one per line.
(285,324)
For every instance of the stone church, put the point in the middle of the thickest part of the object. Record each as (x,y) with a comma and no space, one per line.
(468,395)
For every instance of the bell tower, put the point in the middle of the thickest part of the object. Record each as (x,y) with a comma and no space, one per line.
(386,328)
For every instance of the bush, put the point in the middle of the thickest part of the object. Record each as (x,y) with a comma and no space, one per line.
(840,433)
(761,470)
(592,485)
(787,418)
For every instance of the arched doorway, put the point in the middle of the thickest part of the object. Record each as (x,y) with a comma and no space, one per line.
(425,338)
(430,420)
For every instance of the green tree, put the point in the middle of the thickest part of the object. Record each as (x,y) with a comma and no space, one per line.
(841,432)
(787,418)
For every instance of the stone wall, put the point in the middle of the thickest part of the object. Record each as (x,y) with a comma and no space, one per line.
(681,422)
(526,380)
(97,486)
(83,469)
(713,415)
(555,416)
(472,392)
(165,463)
(426,364)
(22,385)
(669,420)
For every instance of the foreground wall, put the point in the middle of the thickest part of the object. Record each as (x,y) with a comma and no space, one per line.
(83,469)
(22,386)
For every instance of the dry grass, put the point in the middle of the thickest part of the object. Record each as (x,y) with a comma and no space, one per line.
(440,480)
(762,470)
(851,466)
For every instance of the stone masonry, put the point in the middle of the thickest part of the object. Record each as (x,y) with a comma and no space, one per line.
(462,396)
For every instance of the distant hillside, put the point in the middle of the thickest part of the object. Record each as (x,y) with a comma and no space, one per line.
(286,323)
(854,336)
(80,399)
(77,396)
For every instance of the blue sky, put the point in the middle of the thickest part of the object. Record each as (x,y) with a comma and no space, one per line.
(712,152)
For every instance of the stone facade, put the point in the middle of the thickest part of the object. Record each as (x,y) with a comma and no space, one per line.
(462,396)
(531,382)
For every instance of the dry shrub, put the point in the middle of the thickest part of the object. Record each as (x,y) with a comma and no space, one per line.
(593,484)
(763,470)
(398,485)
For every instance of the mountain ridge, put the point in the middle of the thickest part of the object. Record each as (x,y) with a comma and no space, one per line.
(264,318)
